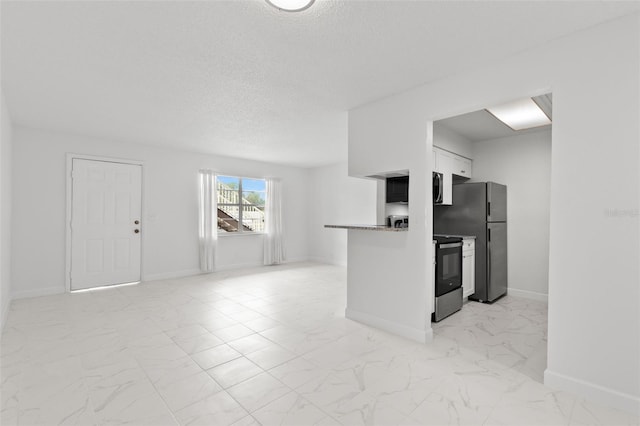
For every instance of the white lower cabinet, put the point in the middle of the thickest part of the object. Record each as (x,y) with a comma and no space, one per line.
(468,267)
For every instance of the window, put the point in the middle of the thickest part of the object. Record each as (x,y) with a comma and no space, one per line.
(241,203)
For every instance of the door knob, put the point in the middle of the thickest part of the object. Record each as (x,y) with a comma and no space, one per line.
(136,231)
(136,222)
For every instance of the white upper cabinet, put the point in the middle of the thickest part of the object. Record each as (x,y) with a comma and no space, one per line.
(461,166)
(447,162)
(447,189)
(442,163)
(435,161)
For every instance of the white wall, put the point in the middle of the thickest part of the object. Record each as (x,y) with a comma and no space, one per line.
(170,227)
(388,283)
(523,163)
(451,141)
(379,281)
(395,208)
(594,341)
(5,211)
(337,199)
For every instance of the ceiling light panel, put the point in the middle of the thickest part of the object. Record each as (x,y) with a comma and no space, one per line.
(521,114)
(291,5)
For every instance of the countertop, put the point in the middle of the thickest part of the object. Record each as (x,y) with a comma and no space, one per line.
(464,237)
(383,228)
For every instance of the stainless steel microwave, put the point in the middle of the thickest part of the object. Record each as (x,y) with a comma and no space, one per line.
(438,188)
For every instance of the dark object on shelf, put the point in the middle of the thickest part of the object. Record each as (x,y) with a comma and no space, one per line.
(398,189)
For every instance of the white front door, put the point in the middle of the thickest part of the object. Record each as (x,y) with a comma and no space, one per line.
(105,223)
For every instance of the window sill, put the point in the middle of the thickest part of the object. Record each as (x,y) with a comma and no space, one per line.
(239,234)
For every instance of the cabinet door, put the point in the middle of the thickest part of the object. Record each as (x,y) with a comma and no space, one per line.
(447,189)
(461,166)
(468,273)
(445,161)
(436,166)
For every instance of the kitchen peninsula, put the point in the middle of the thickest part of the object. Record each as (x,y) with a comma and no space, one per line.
(383,228)
(386,279)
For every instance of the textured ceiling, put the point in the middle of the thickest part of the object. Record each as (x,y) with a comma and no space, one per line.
(240,78)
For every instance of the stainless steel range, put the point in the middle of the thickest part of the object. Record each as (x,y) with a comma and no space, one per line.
(448,281)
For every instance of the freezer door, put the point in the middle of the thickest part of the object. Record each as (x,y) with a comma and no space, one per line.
(469,210)
(496,260)
(496,202)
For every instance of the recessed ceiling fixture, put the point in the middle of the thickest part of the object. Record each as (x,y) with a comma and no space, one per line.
(291,5)
(520,115)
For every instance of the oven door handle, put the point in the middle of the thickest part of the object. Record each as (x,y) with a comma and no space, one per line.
(450,245)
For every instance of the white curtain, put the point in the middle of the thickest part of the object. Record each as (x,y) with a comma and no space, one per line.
(273,247)
(208,214)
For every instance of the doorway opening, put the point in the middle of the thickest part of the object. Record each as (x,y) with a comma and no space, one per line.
(513,329)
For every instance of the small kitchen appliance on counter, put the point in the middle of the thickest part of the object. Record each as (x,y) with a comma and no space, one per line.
(398,221)
(448,281)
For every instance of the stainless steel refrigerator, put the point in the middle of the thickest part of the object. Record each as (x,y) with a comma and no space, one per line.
(480,209)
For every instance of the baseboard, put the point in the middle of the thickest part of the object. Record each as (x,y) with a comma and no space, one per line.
(47,291)
(327,261)
(146,277)
(593,392)
(5,312)
(297,260)
(422,336)
(526,294)
(218,268)
(171,275)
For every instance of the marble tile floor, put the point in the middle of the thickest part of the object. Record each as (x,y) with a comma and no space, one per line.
(264,346)
(512,331)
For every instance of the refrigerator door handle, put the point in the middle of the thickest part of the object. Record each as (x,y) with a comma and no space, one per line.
(488,267)
(489,235)
(489,209)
